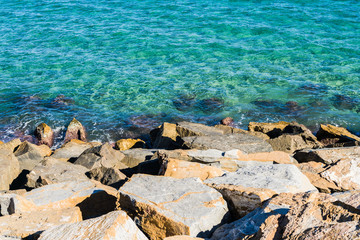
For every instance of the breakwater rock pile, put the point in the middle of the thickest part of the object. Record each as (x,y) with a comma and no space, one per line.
(272,181)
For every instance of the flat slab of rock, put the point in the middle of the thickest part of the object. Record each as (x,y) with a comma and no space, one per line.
(114,225)
(327,155)
(29,155)
(9,169)
(73,149)
(183,169)
(247,188)
(244,142)
(330,134)
(28,223)
(11,203)
(101,156)
(52,171)
(92,197)
(167,206)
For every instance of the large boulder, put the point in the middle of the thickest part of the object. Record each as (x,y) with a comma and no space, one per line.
(11,203)
(263,223)
(75,130)
(184,169)
(231,130)
(31,223)
(271,129)
(332,135)
(165,206)
(29,155)
(52,171)
(327,155)
(73,149)
(107,176)
(10,146)
(93,198)
(290,143)
(125,144)
(134,157)
(243,142)
(9,169)
(114,225)
(165,137)
(44,134)
(101,156)
(248,187)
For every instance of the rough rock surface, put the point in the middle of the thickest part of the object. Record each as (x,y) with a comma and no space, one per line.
(28,223)
(262,223)
(10,146)
(44,134)
(106,176)
(114,225)
(183,237)
(92,197)
(134,157)
(29,155)
(327,155)
(73,149)
(165,206)
(165,137)
(290,143)
(183,169)
(125,144)
(271,129)
(52,171)
(247,188)
(330,134)
(243,142)
(231,130)
(101,156)
(11,203)
(75,130)
(9,169)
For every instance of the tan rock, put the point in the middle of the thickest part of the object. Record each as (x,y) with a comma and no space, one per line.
(290,143)
(28,223)
(189,129)
(125,144)
(183,169)
(227,121)
(106,176)
(1,142)
(267,127)
(183,237)
(114,225)
(29,155)
(232,130)
(10,146)
(332,134)
(165,136)
(14,204)
(73,149)
(75,130)
(44,150)
(165,206)
(9,169)
(93,198)
(44,134)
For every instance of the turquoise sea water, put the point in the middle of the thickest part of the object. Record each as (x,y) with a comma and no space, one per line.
(126,66)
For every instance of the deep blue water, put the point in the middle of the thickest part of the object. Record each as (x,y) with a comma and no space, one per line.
(126,66)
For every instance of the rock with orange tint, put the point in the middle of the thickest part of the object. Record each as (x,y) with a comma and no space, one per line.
(10,146)
(165,206)
(92,197)
(9,169)
(111,226)
(248,187)
(165,136)
(183,237)
(330,134)
(73,149)
(28,223)
(183,169)
(125,144)
(268,128)
(75,130)
(231,130)
(327,155)
(44,134)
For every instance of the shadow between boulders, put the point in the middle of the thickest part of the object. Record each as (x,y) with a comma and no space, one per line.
(20,181)
(99,203)
(150,167)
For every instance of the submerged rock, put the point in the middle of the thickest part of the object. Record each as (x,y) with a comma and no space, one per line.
(228,121)
(75,130)
(210,104)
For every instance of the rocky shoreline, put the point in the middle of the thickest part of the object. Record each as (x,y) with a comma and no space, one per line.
(272,181)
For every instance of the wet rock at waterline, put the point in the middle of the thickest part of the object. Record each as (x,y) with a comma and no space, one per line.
(75,130)
(44,134)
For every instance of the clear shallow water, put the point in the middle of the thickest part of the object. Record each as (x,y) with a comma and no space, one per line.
(127,66)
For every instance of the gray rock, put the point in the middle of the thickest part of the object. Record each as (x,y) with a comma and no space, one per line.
(101,156)
(248,187)
(106,176)
(14,203)
(73,149)
(75,130)
(52,171)
(165,206)
(327,155)
(187,129)
(114,225)
(243,142)
(28,155)
(134,157)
